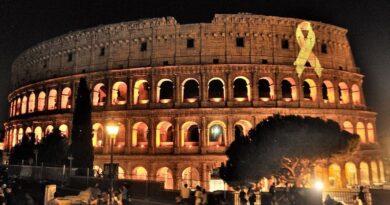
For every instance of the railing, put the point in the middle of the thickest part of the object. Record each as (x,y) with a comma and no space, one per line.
(346,195)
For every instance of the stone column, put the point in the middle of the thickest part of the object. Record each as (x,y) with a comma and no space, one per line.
(177,90)
(205,176)
(109,92)
(152,90)
(128,138)
(59,97)
(229,131)
(177,140)
(229,87)
(255,87)
(203,133)
(203,87)
(152,135)
(130,97)
(74,94)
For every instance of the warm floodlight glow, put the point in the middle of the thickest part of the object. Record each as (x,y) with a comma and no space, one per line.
(112,129)
(318,185)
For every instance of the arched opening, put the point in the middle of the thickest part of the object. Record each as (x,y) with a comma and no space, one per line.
(28,131)
(66,98)
(31,103)
(49,129)
(191,177)
(119,93)
(139,173)
(141,92)
(328,92)
(164,134)
(266,89)
(52,101)
(241,128)
(334,176)
(41,101)
(140,134)
(309,90)
(351,174)
(374,172)
(14,137)
(347,126)
(216,90)
(361,131)
(241,89)
(381,171)
(24,105)
(120,139)
(99,95)
(165,175)
(364,174)
(165,91)
(343,93)
(11,109)
(64,130)
(190,90)
(97,171)
(356,94)
(18,106)
(20,134)
(370,133)
(289,89)
(121,172)
(189,134)
(38,133)
(216,133)
(98,135)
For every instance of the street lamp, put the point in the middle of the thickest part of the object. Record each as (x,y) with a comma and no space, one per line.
(112,131)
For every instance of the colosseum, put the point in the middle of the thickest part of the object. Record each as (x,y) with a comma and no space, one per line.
(180,93)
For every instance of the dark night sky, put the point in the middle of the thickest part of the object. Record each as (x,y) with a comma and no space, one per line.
(24,23)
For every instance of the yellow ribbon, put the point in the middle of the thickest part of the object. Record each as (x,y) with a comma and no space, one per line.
(306,45)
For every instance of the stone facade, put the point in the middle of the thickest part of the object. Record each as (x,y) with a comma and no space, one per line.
(167,84)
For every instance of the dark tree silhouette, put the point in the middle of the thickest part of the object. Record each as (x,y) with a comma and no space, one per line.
(53,149)
(23,150)
(284,146)
(81,144)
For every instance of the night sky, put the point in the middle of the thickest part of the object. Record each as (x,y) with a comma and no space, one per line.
(24,23)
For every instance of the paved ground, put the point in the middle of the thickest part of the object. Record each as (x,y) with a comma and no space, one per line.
(147,202)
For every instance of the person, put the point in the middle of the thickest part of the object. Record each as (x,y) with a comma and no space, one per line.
(362,196)
(204,197)
(252,198)
(242,197)
(185,194)
(356,200)
(272,189)
(124,192)
(54,201)
(198,196)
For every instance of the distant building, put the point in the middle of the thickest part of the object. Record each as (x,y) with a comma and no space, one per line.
(180,93)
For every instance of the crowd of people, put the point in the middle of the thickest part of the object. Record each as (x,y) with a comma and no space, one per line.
(198,197)
(118,197)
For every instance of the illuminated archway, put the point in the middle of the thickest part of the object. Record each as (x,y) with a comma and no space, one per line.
(24,105)
(190,90)
(364,174)
(190,134)
(11,109)
(351,174)
(381,171)
(309,90)
(266,89)
(49,129)
(20,134)
(242,128)
(343,93)
(66,98)
(141,92)
(28,131)
(241,89)
(139,173)
(41,101)
(99,95)
(14,137)
(97,171)
(334,176)
(370,133)
(38,133)
(64,129)
(18,106)
(121,172)
(164,134)
(361,131)
(140,134)
(356,94)
(328,92)
(119,93)
(216,90)
(347,126)
(52,101)
(190,176)
(31,103)
(374,172)
(216,133)
(165,175)
(165,90)
(98,135)
(289,90)
(120,139)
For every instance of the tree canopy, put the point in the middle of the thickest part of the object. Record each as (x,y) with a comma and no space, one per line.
(284,145)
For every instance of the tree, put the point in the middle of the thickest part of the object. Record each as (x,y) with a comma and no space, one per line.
(284,146)
(53,149)
(81,147)
(23,151)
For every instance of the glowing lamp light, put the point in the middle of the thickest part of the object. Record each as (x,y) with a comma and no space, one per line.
(264,99)
(240,99)
(142,146)
(318,185)
(287,99)
(191,100)
(190,146)
(112,130)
